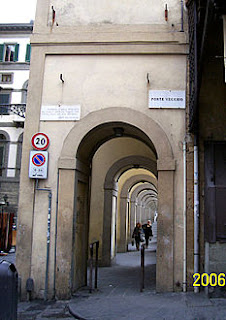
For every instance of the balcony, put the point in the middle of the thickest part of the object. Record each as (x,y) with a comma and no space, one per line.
(17,109)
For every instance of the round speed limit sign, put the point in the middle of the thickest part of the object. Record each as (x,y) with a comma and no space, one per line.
(40,141)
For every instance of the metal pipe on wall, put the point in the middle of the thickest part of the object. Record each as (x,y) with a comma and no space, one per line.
(55,245)
(185,222)
(196,210)
(47,237)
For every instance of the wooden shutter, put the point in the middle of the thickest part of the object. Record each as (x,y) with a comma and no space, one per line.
(28,53)
(15,58)
(1,51)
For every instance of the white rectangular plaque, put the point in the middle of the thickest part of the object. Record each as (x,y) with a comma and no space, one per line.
(60,113)
(167,99)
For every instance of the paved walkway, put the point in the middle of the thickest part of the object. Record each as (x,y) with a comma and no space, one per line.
(119,298)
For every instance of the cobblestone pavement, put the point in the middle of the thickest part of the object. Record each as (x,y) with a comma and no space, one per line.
(40,310)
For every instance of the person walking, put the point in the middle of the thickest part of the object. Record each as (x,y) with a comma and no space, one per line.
(137,235)
(147,227)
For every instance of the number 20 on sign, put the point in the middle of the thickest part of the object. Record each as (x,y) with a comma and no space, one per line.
(40,141)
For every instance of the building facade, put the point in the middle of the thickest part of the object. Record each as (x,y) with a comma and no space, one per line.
(14,74)
(207,120)
(108,86)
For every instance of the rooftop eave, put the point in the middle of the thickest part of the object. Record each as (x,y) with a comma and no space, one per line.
(16,27)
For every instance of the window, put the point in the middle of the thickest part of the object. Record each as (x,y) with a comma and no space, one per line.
(6,78)
(24,92)
(9,52)
(4,103)
(19,153)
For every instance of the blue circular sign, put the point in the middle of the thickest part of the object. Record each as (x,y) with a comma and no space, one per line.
(38,159)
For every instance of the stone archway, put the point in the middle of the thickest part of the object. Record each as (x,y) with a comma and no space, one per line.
(73,169)
(142,202)
(124,199)
(110,191)
(149,180)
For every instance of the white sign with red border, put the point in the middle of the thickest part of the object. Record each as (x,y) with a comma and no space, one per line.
(38,164)
(40,141)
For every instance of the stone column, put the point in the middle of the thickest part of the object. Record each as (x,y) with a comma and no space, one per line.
(106,244)
(132,215)
(165,236)
(122,245)
(64,233)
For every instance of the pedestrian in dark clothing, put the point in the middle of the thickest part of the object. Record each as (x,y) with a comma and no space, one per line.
(147,231)
(137,235)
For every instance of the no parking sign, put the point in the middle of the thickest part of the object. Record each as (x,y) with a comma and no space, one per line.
(38,164)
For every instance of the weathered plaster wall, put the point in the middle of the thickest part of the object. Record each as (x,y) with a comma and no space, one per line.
(99,75)
(118,12)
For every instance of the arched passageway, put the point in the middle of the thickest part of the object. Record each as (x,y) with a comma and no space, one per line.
(127,205)
(107,145)
(111,195)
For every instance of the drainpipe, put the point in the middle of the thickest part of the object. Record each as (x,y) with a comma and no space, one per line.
(185,221)
(196,210)
(55,248)
(47,237)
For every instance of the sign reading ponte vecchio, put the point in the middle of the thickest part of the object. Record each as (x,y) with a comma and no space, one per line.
(167,99)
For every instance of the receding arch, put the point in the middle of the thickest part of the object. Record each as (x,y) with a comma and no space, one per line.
(149,181)
(127,163)
(147,193)
(145,124)
(137,190)
(110,191)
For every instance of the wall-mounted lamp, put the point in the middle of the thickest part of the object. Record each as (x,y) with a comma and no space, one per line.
(166,13)
(118,132)
(61,78)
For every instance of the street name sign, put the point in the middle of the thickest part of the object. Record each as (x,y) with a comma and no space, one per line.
(168,99)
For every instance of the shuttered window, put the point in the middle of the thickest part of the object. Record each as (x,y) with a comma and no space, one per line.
(9,52)
(4,103)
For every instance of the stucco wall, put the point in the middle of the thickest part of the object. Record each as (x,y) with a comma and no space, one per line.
(117,12)
(103,69)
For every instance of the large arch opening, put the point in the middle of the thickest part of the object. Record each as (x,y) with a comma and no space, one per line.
(105,155)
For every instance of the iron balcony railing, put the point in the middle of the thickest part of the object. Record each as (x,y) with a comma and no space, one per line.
(18,109)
